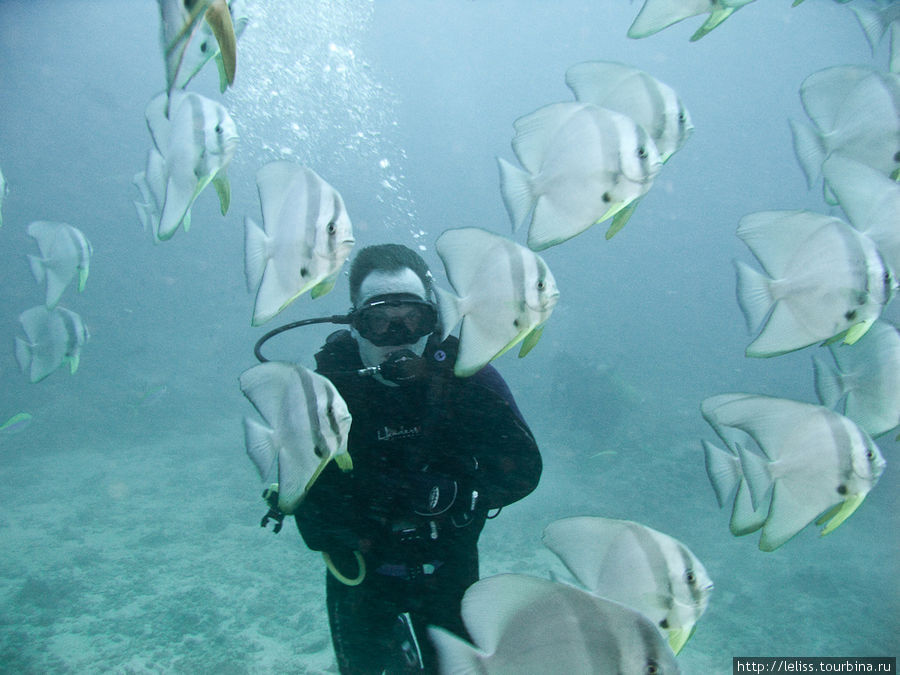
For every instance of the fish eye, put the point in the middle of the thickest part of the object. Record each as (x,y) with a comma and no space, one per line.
(897,156)
(218,128)
(870,454)
(850,315)
(652,668)
(319,452)
(690,577)
(642,152)
(842,489)
(204,46)
(607,198)
(541,284)
(331,228)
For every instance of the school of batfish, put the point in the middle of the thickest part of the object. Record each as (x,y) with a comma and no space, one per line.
(638,593)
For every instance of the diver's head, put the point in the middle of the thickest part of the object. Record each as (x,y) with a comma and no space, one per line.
(393,303)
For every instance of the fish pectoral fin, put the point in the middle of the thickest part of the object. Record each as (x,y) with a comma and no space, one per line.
(855,332)
(839,513)
(219,19)
(531,340)
(223,190)
(344,461)
(621,218)
(678,637)
(324,286)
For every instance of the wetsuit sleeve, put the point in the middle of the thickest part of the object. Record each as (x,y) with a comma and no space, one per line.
(509,463)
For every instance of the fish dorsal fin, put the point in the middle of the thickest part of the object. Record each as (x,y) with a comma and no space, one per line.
(597,81)
(775,237)
(824,92)
(765,418)
(277,182)
(462,252)
(537,132)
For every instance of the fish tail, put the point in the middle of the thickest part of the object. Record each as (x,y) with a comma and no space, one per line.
(722,470)
(37,268)
(753,294)
(829,383)
(256,253)
(873,24)
(260,448)
(23,354)
(810,150)
(448,309)
(756,472)
(518,196)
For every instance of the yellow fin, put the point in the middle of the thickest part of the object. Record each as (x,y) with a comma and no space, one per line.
(323,286)
(219,19)
(223,190)
(620,219)
(678,638)
(857,331)
(531,340)
(845,510)
(716,17)
(344,461)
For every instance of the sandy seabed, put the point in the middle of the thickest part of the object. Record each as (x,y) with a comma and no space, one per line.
(148,557)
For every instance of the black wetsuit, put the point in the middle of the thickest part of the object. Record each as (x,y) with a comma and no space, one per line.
(430,459)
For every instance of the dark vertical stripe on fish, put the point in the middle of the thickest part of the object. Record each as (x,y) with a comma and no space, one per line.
(312,411)
(656,559)
(659,108)
(313,208)
(517,274)
(843,447)
(687,563)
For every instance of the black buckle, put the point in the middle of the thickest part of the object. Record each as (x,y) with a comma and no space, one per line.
(270,496)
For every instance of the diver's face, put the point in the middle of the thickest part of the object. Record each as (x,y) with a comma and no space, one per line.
(380,282)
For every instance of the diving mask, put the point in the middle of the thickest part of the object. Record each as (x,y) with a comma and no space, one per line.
(394,319)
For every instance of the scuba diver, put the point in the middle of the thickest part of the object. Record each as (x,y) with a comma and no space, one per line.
(434,456)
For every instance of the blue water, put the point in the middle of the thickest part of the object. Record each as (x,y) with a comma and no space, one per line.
(129,537)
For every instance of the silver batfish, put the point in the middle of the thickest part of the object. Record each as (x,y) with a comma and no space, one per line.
(658,14)
(824,280)
(54,338)
(638,566)
(197,139)
(809,462)
(307,236)
(504,295)
(65,255)
(524,625)
(582,165)
(306,426)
